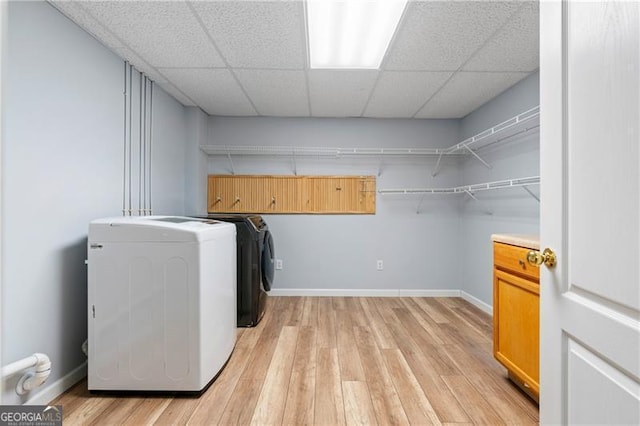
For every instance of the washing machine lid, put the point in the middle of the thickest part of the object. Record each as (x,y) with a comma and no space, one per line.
(157,229)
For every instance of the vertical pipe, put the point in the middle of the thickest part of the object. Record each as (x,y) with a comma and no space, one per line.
(130,128)
(124,154)
(150,140)
(144,149)
(140,148)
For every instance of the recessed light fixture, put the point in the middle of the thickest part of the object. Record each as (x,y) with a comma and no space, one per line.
(351,33)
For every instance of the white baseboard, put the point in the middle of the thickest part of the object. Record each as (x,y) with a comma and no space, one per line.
(57,388)
(335,292)
(477,302)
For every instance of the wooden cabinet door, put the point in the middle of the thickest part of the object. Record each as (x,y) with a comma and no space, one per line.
(516,328)
(341,194)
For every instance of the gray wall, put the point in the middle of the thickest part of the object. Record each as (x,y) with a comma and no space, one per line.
(514,211)
(196,172)
(340,252)
(61,167)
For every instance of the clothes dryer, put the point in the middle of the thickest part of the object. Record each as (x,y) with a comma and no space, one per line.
(255,268)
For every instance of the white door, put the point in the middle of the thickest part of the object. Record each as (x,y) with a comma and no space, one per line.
(590,215)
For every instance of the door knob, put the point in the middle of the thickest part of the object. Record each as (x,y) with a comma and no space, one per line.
(548,257)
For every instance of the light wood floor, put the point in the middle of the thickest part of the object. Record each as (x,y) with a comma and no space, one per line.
(341,360)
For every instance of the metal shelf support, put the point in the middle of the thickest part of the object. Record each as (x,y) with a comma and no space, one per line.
(233,170)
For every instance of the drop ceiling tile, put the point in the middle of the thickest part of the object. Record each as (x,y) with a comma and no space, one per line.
(515,47)
(466,91)
(442,35)
(340,93)
(257,34)
(163,33)
(276,93)
(214,90)
(403,93)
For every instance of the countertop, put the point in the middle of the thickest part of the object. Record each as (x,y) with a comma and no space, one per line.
(520,240)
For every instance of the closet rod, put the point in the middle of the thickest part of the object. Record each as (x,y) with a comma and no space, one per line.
(501,184)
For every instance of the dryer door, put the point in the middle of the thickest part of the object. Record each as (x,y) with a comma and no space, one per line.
(268,253)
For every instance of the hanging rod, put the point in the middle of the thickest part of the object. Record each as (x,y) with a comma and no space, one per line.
(465,189)
(315,151)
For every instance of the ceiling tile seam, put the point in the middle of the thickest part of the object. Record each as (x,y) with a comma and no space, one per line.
(235,68)
(215,45)
(491,37)
(307,56)
(371,92)
(126,45)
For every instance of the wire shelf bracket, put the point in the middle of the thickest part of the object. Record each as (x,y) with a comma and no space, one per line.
(521,123)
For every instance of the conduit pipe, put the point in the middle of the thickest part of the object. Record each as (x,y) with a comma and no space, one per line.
(150,141)
(29,381)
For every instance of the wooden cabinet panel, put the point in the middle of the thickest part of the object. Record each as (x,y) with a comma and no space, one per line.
(291,194)
(341,194)
(516,316)
(514,259)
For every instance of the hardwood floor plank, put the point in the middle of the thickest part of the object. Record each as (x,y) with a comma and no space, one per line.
(339,303)
(310,312)
(73,399)
(117,412)
(240,408)
(435,310)
(270,407)
(425,342)
(91,410)
(473,402)
(380,330)
(502,402)
(299,407)
(326,324)
(385,400)
(177,411)
(385,306)
(444,402)
(297,311)
(521,399)
(415,402)
(148,411)
(428,322)
(212,404)
(430,329)
(348,356)
(358,317)
(357,402)
(329,404)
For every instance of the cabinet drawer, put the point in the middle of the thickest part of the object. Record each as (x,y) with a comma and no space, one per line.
(514,259)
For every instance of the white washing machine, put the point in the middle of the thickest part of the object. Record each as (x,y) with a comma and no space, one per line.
(162,302)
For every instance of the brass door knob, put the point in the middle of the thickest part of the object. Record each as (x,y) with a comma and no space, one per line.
(548,257)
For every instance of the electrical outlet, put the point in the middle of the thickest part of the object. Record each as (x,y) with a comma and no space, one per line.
(379,265)
(278,264)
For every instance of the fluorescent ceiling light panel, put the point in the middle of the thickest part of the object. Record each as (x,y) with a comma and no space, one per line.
(351,33)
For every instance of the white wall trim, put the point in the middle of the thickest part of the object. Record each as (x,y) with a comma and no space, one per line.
(57,388)
(477,302)
(336,292)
